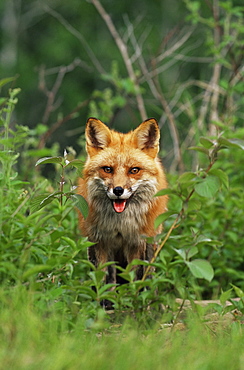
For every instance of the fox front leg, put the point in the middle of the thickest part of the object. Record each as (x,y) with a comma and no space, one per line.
(97,254)
(137,251)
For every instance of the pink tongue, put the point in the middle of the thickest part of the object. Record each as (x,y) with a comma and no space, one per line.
(119,205)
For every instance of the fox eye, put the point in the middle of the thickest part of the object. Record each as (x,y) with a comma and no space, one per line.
(107,169)
(134,170)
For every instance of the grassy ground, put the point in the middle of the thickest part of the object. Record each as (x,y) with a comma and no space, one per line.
(36,336)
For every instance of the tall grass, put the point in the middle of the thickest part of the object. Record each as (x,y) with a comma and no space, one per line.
(34,338)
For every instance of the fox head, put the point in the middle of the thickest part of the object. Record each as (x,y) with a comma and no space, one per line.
(122,168)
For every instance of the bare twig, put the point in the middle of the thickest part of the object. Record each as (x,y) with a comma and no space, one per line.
(158,250)
(211,95)
(51,104)
(157,93)
(172,126)
(214,116)
(51,94)
(174,133)
(137,46)
(125,55)
(60,122)
(175,47)
(77,62)
(237,76)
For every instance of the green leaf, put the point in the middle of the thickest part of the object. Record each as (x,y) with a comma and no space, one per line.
(201,269)
(231,143)
(194,205)
(187,180)
(225,296)
(36,270)
(187,177)
(97,276)
(70,242)
(238,291)
(77,163)
(35,203)
(3,101)
(57,292)
(221,175)
(137,262)
(207,143)
(161,218)
(87,292)
(49,160)
(164,192)
(191,252)
(88,264)
(42,200)
(200,149)
(181,252)
(128,276)
(208,187)
(105,288)
(6,80)
(205,240)
(81,204)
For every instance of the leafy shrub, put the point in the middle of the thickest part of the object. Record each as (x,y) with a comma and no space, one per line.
(197,254)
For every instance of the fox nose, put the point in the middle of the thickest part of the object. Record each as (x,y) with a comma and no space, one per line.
(118,191)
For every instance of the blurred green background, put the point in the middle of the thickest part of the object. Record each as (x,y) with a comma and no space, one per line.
(186,59)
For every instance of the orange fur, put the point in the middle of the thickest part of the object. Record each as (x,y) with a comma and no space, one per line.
(120,178)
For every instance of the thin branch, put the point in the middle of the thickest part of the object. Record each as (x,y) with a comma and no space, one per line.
(174,132)
(51,94)
(201,84)
(60,122)
(158,250)
(157,93)
(187,59)
(214,116)
(235,78)
(211,95)
(175,47)
(172,125)
(137,46)
(125,55)
(158,70)
(77,62)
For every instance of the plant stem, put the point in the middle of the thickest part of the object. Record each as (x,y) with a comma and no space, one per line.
(161,246)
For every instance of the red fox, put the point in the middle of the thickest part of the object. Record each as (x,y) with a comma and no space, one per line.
(120,178)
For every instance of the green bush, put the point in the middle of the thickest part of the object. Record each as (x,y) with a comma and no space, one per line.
(200,253)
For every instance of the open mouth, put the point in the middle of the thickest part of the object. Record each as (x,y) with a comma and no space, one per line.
(119,205)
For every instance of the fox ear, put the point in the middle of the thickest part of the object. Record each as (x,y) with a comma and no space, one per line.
(98,135)
(147,137)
